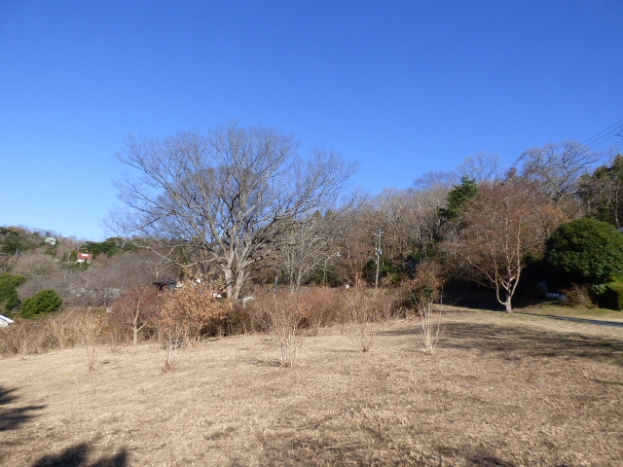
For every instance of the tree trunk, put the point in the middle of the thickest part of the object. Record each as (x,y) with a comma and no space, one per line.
(508,297)
(135,327)
(234,282)
(507,304)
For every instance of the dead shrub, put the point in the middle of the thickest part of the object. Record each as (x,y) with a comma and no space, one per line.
(323,307)
(26,338)
(93,330)
(424,292)
(281,316)
(191,312)
(133,315)
(69,328)
(187,314)
(171,360)
(362,305)
(239,320)
(577,296)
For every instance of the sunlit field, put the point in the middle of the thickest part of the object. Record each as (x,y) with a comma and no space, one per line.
(499,390)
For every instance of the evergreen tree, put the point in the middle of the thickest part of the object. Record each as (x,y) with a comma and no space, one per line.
(585,251)
(458,196)
(8,291)
(43,302)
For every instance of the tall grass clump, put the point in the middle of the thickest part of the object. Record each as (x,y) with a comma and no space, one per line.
(64,329)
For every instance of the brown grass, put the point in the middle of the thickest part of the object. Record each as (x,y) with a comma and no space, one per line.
(68,328)
(577,312)
(500,391)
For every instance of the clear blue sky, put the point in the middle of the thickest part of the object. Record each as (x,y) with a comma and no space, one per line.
(402,87)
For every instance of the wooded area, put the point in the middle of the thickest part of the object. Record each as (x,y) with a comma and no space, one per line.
(243,207)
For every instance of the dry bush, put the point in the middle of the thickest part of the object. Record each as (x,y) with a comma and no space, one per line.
(387,303)
(171,359)
(281,316)
(424,292)
(362,305)
(366,306)
(191,312)
(577,296)
(64,329)
(69,327)
(26,338)
(239,320)
(188,313)
(323,307)
(93,329)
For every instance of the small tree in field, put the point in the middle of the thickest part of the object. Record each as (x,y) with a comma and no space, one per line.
(424,292)
(281,315)
(498,230)
(362,310)
(134,310)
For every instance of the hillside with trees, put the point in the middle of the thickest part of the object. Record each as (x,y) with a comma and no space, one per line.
(243,208)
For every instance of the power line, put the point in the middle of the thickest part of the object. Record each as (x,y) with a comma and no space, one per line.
(604,135)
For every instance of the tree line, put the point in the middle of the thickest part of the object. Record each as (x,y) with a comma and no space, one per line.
(244,206)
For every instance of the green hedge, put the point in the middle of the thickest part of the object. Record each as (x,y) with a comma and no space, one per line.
(612,298)
(45,301)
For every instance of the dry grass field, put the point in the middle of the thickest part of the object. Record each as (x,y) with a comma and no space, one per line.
(499,391)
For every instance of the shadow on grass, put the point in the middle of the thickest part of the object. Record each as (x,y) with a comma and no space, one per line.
(523,340)
(483,299)
(379,450)
(77,456)
(12,418)
(478,457)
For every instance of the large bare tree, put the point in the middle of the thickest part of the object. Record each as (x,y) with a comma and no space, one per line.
(223,198)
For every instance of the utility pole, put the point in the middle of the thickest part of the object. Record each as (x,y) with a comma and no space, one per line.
(379,252)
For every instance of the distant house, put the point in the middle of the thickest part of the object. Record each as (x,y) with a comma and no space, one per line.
(4,321)
(84,257)
(51,241)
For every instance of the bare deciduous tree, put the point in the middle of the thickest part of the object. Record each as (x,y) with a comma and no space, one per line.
(557,169)
(482,167)
(430,194)
(355,241)
(302,247)
(135,309)
(34,264)
(499,227)
(223,198)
